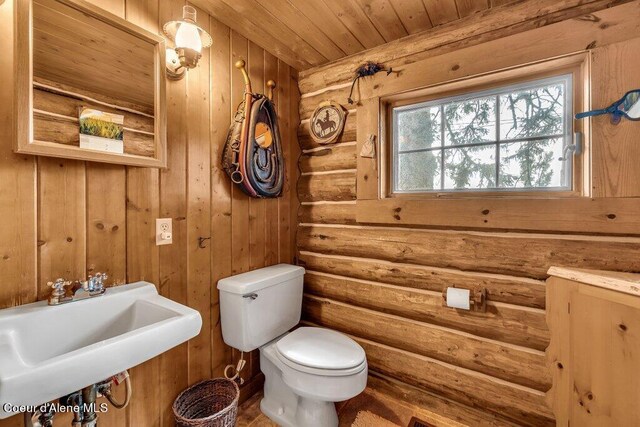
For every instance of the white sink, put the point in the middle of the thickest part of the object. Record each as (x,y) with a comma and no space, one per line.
(49,351)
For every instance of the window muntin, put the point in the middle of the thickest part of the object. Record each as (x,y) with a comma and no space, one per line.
(504,139)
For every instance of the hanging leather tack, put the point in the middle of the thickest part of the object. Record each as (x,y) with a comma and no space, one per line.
(369,68)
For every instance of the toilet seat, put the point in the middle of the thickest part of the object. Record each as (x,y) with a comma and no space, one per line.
(321,372)
(320,351)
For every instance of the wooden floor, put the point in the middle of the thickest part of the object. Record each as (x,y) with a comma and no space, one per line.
(383,411)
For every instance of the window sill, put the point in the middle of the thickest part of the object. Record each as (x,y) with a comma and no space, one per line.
(571,215)
(484,194)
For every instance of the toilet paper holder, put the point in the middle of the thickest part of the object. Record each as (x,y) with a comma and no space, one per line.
(477,298)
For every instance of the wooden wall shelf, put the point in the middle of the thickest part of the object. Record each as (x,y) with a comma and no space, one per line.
(70,55)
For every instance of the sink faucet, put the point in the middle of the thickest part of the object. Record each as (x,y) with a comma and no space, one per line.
(59,292)
(92,287)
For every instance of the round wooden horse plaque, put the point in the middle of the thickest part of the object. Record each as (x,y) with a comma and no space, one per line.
(327,122)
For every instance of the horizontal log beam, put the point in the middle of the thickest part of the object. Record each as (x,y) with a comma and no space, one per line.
(340,95)
(447,408)
(571,214)
(578,37)
(331,158)
(328,213)
(517,254)
(92,97)
(507,323)
(339,186)
(521,404)
(69,105)
(500,288)
(64,130)
(510,363)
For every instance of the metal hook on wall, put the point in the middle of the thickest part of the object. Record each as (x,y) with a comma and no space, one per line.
(201,241)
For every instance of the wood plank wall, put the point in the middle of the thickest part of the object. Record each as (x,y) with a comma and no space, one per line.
(63,218)
(382,284)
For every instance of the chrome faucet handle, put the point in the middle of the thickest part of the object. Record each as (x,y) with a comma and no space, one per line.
(90,283)
(58,287)
(96,282)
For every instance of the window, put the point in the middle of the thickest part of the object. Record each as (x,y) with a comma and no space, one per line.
(503,139)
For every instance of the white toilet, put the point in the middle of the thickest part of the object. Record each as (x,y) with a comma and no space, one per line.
(306,370)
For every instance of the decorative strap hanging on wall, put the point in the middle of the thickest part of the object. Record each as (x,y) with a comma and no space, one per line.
(369,68)
(252,155)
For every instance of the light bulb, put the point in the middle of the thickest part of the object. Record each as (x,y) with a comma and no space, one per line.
(188,37)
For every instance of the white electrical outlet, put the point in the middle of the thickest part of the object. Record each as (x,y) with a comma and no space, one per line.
(164,231)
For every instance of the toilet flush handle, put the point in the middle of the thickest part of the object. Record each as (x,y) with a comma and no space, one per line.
(252,295)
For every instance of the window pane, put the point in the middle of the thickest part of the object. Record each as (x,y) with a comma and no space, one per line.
(532,164)
(457,143)
(470,167)
(470,121)
(532,112)
(418,171)
(418,128)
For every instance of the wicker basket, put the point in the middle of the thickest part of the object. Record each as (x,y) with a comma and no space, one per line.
(210,403)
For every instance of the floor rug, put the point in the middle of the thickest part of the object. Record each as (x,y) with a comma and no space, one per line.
(369,419)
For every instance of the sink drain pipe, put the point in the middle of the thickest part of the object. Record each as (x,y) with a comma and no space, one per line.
(84,403)
(89,416)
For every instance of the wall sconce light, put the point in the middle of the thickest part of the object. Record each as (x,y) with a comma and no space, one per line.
(189,40)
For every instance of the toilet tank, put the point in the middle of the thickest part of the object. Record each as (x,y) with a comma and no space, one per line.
(259,306)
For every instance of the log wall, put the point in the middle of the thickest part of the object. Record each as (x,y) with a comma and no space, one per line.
(382,284)
(63,218)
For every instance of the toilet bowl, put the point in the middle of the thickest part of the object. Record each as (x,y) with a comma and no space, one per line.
(306,370)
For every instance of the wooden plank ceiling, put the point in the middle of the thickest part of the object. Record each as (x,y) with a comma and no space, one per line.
(308,33)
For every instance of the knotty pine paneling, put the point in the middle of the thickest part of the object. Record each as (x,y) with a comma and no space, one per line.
(63,218)
(309,33)
(382,284)
(220,191)
(143,260)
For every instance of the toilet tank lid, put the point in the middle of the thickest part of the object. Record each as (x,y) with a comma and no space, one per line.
(261,278)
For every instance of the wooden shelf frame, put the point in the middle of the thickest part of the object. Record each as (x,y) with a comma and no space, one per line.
(26,143)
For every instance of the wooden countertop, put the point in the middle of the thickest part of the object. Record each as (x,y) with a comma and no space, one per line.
(628,283)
